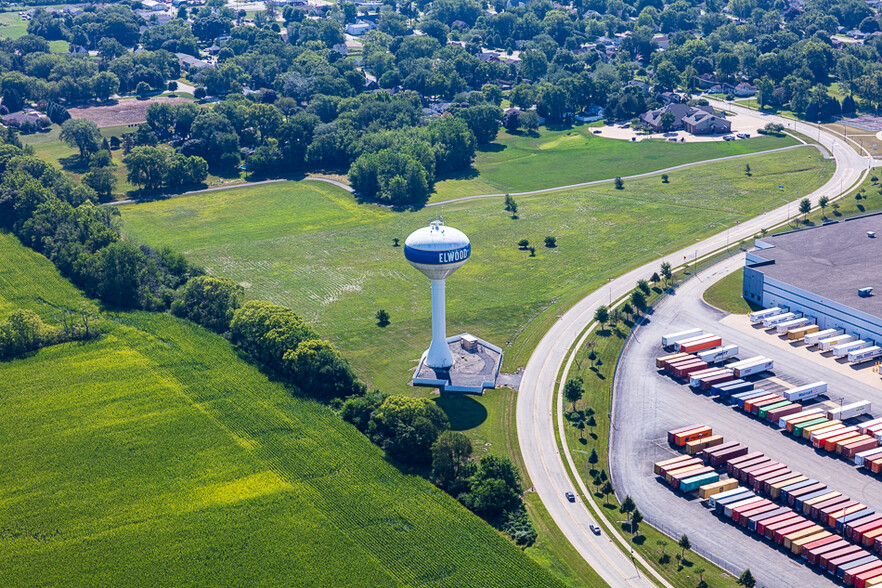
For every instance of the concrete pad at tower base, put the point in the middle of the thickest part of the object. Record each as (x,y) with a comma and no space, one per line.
(473,371)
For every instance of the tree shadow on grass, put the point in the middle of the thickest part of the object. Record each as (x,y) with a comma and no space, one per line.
(463,412)
(74,164)
(492,148)
(469,174)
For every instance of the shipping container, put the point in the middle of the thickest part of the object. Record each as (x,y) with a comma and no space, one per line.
(805,392)
(868,538)
(828,515)
(758,404)
(795,494)
(665,468)
(771,321)
(759,472)
(854,529)
(784,422)
(706,382)
(774,487)
(673,364)
(692,483)
(671,338)
(800,427)
(834,565)
(838,555)
(753,369)
(850,411)
(733,387)
(764,410)
(868,454)
(683,370)
(799,333)
(836,518)
(740,397)
(782,328)
(865,426)
(708,490)
(819,438)
(734,468)
(831,428)
(723,457)
(695,377)
(762,527)
(829,539)
(800,525)
(714,498)
(677,477)
(744,472)
(747,361)
(863,355)
(841,446)
(733,511)
(743,517)
(851,575)
(755,519)
(820,510)
(747,404)
(852,516)
(720,503)
(845,348)
(735,463)
(700,344)
(799,502)
(675,432)
(830,342)
(825,496)
(786,490)
(831,443)
(684,467)
(657,466)
(693,447)
(771,528)
(718,354)
(681,439)
(852,449)
(866,559)
(661,361)
(763,484)
(809,432)
(812,554)
(775,415)
(810,531)
(797,545)
(761,315)
(705,455)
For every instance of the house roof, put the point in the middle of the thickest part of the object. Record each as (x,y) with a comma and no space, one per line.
(680,111)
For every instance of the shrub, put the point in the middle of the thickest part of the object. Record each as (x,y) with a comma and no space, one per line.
(320,371)
(405,428)
(267,331)
(551,242)
(23,331)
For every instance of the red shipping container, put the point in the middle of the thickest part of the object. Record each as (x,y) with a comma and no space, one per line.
(818,544)
(854,527)
(776,413)
(706,383)
(825,558)
(771,468)
(681,439)
(771,528)
(851,574)
(792,496)
(834,564)
(830,442)
(747,515)
(755,406)
(852,449)
(779,534)
(761,526)
(737,512)
(861,579)
(701,345)
(748,404)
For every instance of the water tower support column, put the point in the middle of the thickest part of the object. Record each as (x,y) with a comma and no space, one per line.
(439,355)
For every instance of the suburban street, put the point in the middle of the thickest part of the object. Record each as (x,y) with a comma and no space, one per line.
(647,404)
(535,423)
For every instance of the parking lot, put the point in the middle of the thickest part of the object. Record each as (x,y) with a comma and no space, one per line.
(646,404)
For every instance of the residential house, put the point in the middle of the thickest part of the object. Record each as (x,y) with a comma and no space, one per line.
(359,28)
(700,122)
(694,119)
(26,118)
(188,61)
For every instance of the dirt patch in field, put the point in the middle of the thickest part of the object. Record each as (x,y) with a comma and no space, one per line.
(124,112)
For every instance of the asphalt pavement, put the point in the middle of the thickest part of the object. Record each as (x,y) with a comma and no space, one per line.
(647,404)
(544,464)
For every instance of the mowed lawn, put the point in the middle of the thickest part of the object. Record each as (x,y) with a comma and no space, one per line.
(520,163)
(311,247)
(156,456)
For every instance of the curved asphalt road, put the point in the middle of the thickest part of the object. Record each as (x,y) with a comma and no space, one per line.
(542,459)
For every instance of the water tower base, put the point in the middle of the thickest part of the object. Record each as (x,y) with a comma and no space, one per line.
(475,368)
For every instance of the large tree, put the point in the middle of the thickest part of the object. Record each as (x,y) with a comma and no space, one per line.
(82,134)
(450,456)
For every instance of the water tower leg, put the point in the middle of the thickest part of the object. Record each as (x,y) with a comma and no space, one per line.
(439,355)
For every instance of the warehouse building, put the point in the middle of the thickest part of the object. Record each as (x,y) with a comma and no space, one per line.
(823,272)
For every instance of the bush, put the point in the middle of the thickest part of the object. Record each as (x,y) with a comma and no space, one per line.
(773,129)
(210,302)
(23,331)
(520,528)
(550,242)
(620,184)
(357,411)
(320,371)
(267,331)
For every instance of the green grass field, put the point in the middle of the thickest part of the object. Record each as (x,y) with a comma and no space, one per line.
(157,456)
(520,163)
(309,246)
(12,26)
(726,295)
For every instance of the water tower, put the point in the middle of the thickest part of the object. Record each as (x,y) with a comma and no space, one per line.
(438,251)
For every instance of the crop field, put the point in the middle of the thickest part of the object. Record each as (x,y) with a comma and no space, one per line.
(313,248)
(156,456)
(520,163)
(127,111)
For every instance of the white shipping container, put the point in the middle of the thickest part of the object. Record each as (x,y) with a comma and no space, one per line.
(831,342)
(718,354)
(712,501)
(860,457)
(813,338)
(759,315)
(864,426)
(794,324)
(672,338)
(805,392)
(850,411)
(865,354)
(782,422)
(843,349)
(743,362)
(754,368)
(695,382)
(780,318)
